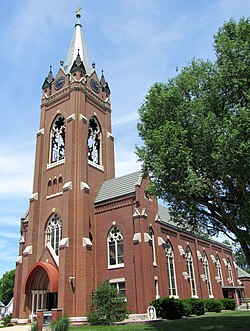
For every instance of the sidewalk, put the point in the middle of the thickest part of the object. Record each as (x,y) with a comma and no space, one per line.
(25,327)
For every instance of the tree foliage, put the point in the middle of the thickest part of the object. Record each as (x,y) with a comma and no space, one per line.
(7,286)
(107,305)
(196,134)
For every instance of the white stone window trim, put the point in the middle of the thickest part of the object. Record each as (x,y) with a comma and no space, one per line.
(54,195)
(116,266)
(170,254)
(95,165)
(55,164)
(190,265)
(53,254)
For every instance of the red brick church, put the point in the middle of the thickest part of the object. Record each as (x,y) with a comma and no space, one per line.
(84,225)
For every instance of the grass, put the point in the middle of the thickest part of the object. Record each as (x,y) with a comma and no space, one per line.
(225,321)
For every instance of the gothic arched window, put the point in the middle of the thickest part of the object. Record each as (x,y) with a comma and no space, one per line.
(190,271)
(218,268)
(170,269)
(206,273)
(152,243)
(94,141)
(57,139)
(54,232)
(115,247)
(230,272)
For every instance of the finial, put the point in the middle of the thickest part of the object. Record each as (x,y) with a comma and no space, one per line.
(61,63)
(93,65)
(50,68)
(102,71)
(78,12)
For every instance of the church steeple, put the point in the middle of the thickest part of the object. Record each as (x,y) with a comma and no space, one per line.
(78,46)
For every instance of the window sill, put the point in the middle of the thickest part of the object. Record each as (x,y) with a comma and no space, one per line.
(116,266)
(95,165)
(55,164)
(53,195)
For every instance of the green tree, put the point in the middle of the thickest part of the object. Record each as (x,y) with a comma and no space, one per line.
(7,286)
(107,305)
(196,134)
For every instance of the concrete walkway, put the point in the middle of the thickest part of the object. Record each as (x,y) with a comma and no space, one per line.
(24,327)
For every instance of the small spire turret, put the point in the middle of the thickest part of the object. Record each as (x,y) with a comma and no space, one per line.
(49,79)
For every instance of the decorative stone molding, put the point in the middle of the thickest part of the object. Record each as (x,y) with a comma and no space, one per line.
(40,132)
(110,135)
(117,280)
(72,281)
(19,260)
(185,275)
(137,238)
(157,218)
(213,258)
(53,254)
(67,186)
(27,251)
(34,196)
(199,255)
(144,213)
(239,282)
(161,242)
(147,237)
(71,117)
(64,242)
(21,240)
(136,213)
(83,118)
(181,250)
(225,261)
(217,278)
(86,242)
(203,277)
(84,187)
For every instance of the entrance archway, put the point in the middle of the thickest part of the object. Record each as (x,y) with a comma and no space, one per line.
(41,285)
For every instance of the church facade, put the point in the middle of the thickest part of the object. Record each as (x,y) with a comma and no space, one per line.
(84,225)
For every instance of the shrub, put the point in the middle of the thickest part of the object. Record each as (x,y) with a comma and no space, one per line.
(228,304)
(107,305)
(34,327)
(196,306)
(213,305)
(7,319)
(61,324)
(187,307)
(168,308)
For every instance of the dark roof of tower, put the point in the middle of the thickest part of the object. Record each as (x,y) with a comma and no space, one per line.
(120,186)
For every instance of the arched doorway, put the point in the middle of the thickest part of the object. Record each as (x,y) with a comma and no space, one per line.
(42,286)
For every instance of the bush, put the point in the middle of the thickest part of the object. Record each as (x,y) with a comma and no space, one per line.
(107,305)
(196,306)
(187,307)
(7,319)
(61,324)
(168,308)
(228,304)
(213,305)
(34,327)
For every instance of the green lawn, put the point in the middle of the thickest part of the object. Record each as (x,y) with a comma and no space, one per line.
(226,321)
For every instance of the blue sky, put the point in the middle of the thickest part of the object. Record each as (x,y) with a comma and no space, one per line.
(136,42)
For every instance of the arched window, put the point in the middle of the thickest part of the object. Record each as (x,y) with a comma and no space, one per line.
(49,191)
(60,184)
(152,243)
(54,232)
(57,139)
(115,247)
(94,141)
(230,272)
(170,269)
(54,188)
(190,271)
(219,272)
(206,273)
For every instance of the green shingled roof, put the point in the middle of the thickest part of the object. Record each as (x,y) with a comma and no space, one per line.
(242,273)
(119,186)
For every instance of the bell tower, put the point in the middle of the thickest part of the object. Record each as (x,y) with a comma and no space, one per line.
(74,156)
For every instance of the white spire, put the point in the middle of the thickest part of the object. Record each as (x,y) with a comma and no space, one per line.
(78,46)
